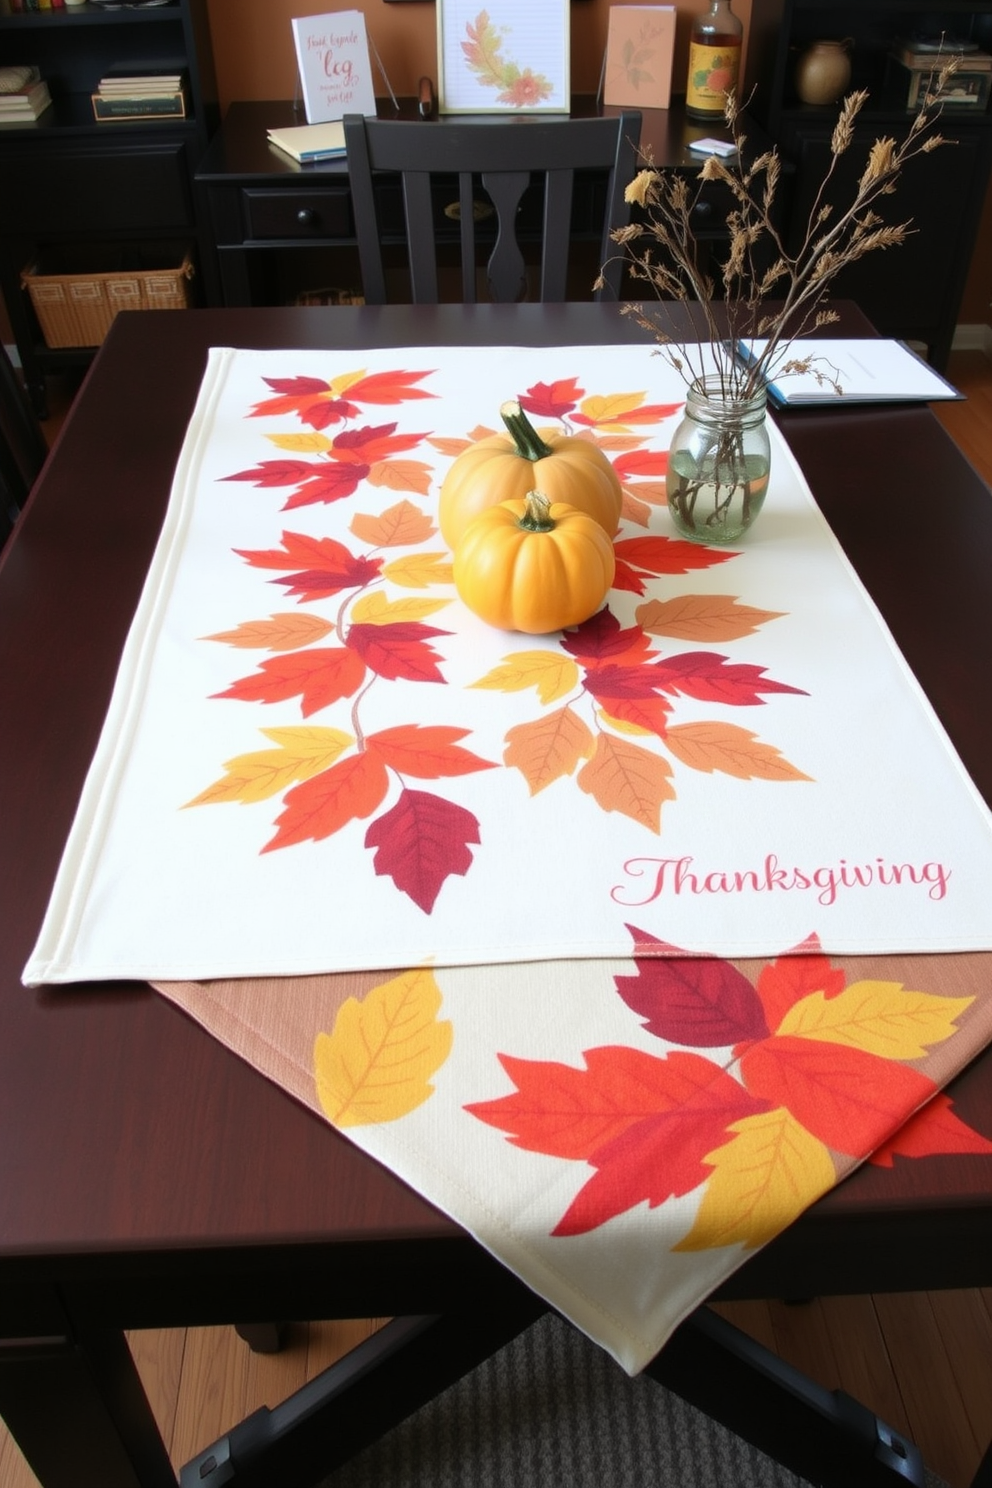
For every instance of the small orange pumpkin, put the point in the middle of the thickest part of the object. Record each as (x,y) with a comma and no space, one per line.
(534,566)
(499,468)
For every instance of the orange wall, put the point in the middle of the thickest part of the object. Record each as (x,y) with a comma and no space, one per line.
(253,47)
(253,44)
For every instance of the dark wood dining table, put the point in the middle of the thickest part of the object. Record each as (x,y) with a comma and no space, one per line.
(148,1178)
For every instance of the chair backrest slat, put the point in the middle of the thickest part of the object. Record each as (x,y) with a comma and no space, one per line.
(506,155)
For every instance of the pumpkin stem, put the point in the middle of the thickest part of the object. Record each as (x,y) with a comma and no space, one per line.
(537,517)
(530,445)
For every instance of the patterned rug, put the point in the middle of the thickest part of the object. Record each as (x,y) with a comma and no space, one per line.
(551,1408)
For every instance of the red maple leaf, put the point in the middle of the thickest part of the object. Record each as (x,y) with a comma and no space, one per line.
(329,481)
(628,578)
(351,788)
(711,678)
(365,446)
(931,1132)
(319,676)
(853,1101)
(390,387)
(630,463)
(425,751)
(398,651)
(621,682)
(602,639)
(651,713)
(420,842)
(668,555)
(324,566)
(552,399)
(700,1001)
(645,1122)
(274,473)
(784,982)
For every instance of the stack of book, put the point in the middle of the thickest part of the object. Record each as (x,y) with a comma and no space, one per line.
(24,95)
(140,95)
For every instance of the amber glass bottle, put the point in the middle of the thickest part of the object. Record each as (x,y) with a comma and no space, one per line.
(714,61)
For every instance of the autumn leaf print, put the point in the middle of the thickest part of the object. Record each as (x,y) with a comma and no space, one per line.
(321,404)
(761,1138)
(483,53)
(763,1179)
(278,633)
(314,568)
(299,753)
(377,1063)
(702,617)
(420,842)
(934,1131)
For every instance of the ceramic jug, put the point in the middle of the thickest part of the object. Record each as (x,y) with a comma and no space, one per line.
(823,71)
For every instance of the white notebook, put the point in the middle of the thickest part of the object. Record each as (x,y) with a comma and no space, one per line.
(867,371)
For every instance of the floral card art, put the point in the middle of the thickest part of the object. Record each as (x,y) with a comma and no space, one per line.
(317,759)
(505,57)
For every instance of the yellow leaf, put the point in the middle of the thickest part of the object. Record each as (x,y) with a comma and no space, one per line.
(311,443)
(729,749)
(877,1017)
(702,617)
(419,570)
(399,526)
(401,475)
(344,382)
(377,1063)
(282,632)
(547,748)
(610,409)
(622,776)
(552,674)
(303,750)
(376,609)
(762,1180)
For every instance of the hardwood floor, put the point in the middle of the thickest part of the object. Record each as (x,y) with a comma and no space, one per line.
(922,1361)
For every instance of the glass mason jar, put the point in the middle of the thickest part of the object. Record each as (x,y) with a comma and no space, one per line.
(718,463)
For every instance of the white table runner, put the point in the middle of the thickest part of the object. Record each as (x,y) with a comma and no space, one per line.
(317,760)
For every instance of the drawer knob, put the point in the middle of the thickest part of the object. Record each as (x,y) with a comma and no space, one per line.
(306,217)
(703,209)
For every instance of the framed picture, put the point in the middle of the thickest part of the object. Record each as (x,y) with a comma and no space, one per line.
(504,57)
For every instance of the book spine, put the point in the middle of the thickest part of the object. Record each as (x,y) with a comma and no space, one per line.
(162,106)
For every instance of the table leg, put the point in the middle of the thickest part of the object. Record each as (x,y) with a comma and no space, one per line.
(77,1410)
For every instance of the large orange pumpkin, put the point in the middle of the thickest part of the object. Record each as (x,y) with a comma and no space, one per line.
(505,467)
(533,566)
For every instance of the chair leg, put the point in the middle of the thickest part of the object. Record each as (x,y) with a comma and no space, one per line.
(357,1400)
(824,1435)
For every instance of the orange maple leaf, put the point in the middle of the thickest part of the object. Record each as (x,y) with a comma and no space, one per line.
(318,807)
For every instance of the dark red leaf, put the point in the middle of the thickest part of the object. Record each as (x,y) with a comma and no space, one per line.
(296,387)
(398,651)
(602,639)
(274,473)
(622,681)
(699,1001)
(357,439)
(420,842)
(323,412)
(713,679)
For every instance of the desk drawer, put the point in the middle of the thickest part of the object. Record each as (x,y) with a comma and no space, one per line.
(313,213)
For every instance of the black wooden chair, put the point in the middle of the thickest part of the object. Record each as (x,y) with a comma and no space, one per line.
(505,155)
(22,445)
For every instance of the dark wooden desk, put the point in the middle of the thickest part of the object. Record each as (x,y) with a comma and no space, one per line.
(143,1169)
(280,227)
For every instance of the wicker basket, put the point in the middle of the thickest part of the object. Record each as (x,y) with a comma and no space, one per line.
(76,309)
